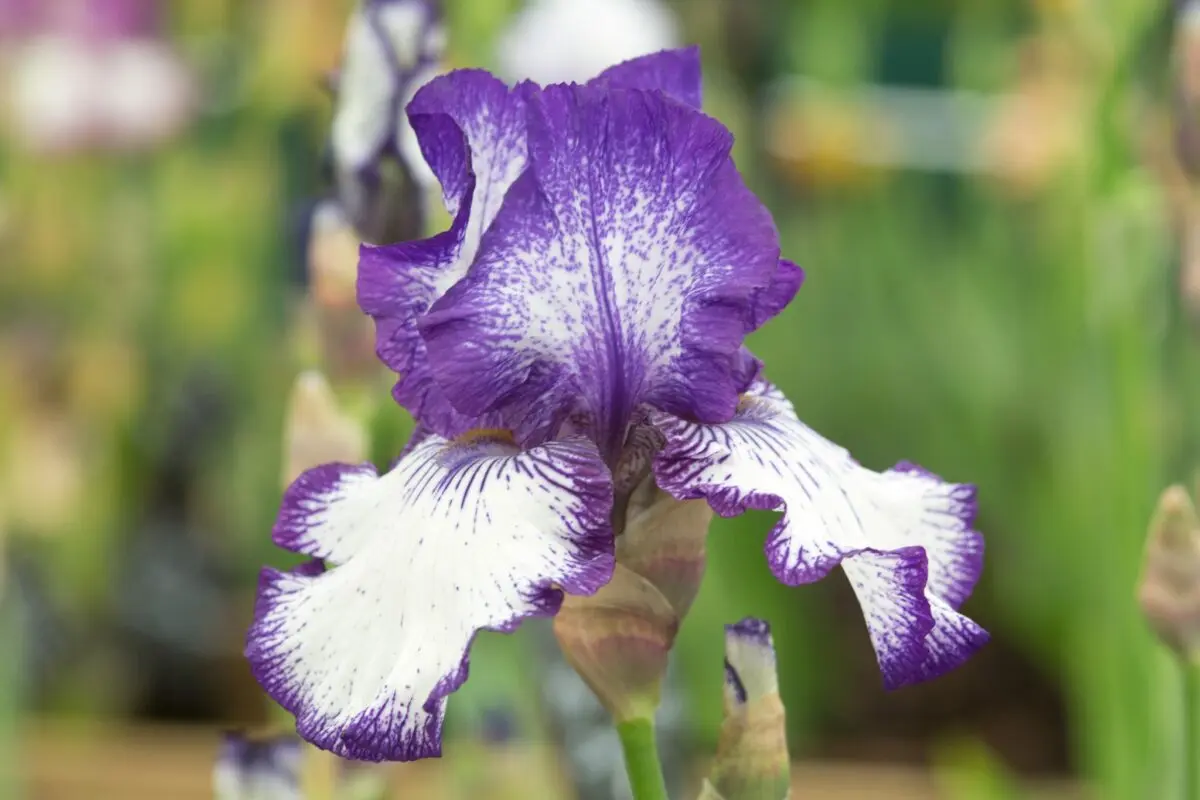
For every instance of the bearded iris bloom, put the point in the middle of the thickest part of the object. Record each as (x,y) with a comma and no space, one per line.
(578,327)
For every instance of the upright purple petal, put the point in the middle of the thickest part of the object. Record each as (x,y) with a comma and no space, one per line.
(620,271)
(904,537)
(457,537)
(771,299)
(676,73)
(471,128)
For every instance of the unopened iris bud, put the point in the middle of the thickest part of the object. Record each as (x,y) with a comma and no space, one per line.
(392,48)
(317,431)
(619,639)
(250,768)
(1169,591)
(752,756)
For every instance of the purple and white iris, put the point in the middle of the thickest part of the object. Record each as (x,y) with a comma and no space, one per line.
(579,325)
(392,48)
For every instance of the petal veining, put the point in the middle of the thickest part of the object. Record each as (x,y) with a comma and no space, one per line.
(621,269)
(903,536)
(471,128)
(456,538)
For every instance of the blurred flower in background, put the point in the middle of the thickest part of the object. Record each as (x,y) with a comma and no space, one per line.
(554,41)
(1169,591)
(94,74)
(392,48)
(1038,125)
(258,769)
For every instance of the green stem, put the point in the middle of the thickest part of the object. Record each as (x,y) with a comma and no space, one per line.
(641,759)
(1190,768)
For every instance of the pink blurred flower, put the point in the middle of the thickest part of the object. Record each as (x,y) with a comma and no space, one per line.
(93,74)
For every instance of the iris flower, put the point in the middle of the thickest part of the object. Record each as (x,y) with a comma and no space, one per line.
(392,48)
(579,326)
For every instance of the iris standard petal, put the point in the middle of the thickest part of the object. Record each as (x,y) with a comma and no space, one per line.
(620,271)
(472,131)
(457,537)
(765,304)
(904,536)
(676,73)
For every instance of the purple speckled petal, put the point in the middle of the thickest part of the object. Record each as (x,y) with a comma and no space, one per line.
(456,538)
(396,285)
(749,661)
(676,73)
(765,305)
(916,634)
(771,299)
(904,536)
(471,129)
(620,271)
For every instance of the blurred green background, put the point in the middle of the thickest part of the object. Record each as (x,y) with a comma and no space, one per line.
(993,216)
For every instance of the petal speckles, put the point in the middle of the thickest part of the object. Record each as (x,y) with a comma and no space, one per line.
(904,537)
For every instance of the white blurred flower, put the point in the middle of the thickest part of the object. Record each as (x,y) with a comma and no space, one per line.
(554,41)
(96,76)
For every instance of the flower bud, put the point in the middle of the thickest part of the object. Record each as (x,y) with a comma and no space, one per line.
(555,41)
(1169,591)
(342,336)
(752,756)
(316,431)
(619,639)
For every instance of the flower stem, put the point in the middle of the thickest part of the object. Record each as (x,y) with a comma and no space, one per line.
(641,759)
(1190,768)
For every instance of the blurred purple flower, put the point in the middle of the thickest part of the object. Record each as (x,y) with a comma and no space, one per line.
(257,769)
(392,48)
